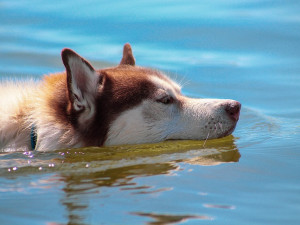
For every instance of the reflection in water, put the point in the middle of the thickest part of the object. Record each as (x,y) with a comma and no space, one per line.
(75,217)
(85,174)
(160,219)
(96,168)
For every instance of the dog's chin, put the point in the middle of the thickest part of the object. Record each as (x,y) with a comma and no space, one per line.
(228,132)
(222,133)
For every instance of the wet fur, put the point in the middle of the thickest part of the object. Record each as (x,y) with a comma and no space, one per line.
(88,107)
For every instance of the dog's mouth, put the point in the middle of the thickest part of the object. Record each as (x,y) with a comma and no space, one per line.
(219,130)
(230,131)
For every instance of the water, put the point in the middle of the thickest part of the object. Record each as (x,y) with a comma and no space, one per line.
(245,50)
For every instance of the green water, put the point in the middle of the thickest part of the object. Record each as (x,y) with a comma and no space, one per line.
(247,50)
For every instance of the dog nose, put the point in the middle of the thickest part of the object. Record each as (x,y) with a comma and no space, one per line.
(233,110)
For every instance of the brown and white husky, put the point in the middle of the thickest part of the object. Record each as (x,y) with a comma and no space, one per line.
(126,104)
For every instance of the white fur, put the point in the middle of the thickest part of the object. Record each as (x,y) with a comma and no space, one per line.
(22,105)
(131,128)
(202,119)
(152,121)
(85,94)
(11,125)
(169,86)
(29,104)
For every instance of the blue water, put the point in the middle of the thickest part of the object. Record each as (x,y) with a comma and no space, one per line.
(243,50)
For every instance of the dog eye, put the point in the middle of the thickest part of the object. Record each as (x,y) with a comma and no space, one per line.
(166,100)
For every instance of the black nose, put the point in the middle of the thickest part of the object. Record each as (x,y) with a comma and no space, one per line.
(233,109)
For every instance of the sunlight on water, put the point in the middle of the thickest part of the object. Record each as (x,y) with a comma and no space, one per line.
(86,171)
(244,50)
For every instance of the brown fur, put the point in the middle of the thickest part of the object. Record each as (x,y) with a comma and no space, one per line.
(127,58)
(79,107)
(125,86)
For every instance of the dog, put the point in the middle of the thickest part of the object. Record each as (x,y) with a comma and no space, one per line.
(125,104)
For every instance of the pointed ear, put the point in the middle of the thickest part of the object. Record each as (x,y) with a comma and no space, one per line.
(128,58)
(81,80)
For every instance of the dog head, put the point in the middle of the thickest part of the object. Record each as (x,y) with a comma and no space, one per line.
(128,104)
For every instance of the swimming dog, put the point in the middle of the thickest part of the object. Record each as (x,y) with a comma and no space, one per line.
(125,104)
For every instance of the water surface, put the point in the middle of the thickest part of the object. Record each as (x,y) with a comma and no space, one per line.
(245,50)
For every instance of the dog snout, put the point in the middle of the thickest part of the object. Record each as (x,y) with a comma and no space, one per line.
(233,109)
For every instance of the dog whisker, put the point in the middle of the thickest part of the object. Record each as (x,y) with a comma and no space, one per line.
(206,139)
(144,106)
(216,128)
(221,127)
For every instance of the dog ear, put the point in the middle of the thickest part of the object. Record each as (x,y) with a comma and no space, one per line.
(128,58)
(81,80)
